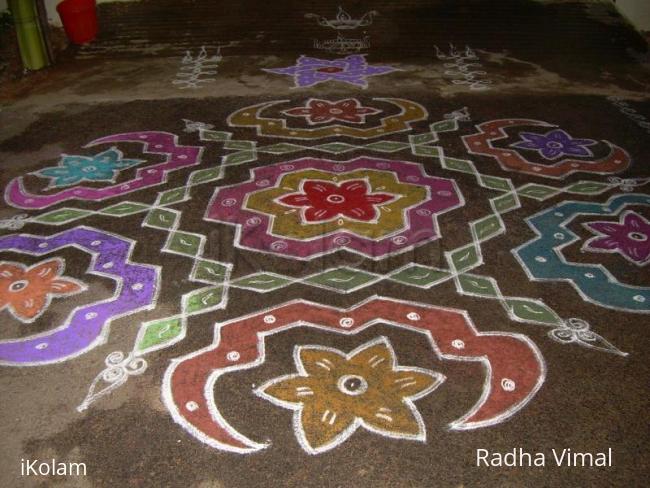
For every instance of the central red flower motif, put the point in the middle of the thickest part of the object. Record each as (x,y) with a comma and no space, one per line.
(321,111)
(325,200)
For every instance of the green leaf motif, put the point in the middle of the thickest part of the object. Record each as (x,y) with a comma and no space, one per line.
(428,151)
(281,148)
(459,165)
(240,145)
(420,276)
(465,258)
(161,219)
(159,334)
(209,272)
(184,243)
(505,203)
(335,147)
(588,187)
(61,216)
(487,227)
(496,183)
(172,196)
(426,138)
(445,125)
(124,208)
(387,146)
(261,282)
(240,157)
(342,280)
(537,192)
(477,285)
(532,311)
(202,300)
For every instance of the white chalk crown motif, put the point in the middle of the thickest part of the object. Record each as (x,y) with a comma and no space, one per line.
(344,20)
(343,45)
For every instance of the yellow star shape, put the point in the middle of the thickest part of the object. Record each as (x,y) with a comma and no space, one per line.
(335,393)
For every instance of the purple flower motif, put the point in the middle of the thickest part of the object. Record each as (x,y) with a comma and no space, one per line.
(352,69)
(630,238)
(554,144)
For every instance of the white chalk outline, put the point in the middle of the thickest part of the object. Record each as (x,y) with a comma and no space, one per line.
(358,421)
(252,446)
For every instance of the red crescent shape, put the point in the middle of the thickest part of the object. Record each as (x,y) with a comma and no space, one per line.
(514,366)
(481,143)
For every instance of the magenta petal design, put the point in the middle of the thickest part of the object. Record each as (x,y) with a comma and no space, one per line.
(352,69)
(630,238)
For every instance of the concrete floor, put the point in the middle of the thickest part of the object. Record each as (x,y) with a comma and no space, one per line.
(572,65)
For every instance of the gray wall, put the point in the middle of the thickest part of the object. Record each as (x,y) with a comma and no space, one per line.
(637,12)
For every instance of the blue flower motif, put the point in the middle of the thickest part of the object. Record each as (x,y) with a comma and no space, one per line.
(554,144)
(75,169)
(352,69)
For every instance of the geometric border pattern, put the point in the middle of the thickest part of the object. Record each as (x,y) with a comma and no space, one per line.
(228,206)
(514,368)
(410,112)
(164,143)
(542,257)
(87,326)
(481,143)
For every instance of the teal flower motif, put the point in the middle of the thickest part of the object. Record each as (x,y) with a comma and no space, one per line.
(104,166)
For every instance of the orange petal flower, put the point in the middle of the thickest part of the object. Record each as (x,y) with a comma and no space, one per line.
(27,292)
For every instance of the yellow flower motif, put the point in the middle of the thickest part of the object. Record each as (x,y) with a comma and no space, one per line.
(334,393)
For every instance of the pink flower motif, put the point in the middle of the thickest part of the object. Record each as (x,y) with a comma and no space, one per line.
(325,201)
(630,237)
(322,111)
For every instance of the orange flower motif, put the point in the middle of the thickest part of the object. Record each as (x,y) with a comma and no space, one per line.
(334,393)
(27,292)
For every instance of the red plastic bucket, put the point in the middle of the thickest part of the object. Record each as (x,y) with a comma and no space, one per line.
(79,19)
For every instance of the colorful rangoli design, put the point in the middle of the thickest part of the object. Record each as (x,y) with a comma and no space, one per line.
(317,111)
(76,169)
(309,207)
(543,260)
(552,145)
(379,203)
(409,113)
(27,292)
(352,70)
(164,143)
(136,288)
(335,393)
(514,371)
(629,238)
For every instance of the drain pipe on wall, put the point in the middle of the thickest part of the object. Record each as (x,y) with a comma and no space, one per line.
(30,40)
